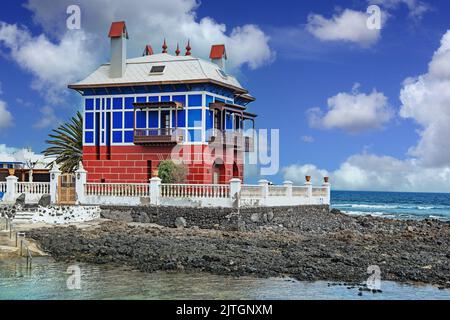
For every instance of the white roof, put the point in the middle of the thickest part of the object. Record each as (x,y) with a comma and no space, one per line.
(178,69)
(26,156)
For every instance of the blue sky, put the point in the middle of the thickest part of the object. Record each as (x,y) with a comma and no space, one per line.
(334,94)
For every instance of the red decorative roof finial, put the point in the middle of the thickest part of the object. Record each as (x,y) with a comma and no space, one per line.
(164,47)
(177,52)
(188,48)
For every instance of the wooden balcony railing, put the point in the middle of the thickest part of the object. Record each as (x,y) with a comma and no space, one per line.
(234,139)
(158,136)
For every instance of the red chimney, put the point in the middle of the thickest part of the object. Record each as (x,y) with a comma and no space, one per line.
(177,52)
(218,55)
(148,51)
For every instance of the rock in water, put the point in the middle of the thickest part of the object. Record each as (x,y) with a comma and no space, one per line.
(180,222)
(335,211)
(21,200)
(45,201)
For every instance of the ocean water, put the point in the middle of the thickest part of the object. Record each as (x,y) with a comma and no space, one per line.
(47,280)
(397,205)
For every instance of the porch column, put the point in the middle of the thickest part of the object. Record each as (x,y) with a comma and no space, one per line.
(235,190)
(155,190)
(81,178)
(10,195)
(54,177)
(264,184)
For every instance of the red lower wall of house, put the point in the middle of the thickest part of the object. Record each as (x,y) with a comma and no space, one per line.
(137,164)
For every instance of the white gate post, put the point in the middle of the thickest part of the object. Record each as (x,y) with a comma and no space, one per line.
(155,190)
(308,184)
(264,184)
(10,195)
(54,177)
(288,185)
(327,185)
(80,182)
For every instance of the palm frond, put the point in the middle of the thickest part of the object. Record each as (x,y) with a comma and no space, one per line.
(66,144)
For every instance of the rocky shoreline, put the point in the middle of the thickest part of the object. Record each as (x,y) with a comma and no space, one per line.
(324,246)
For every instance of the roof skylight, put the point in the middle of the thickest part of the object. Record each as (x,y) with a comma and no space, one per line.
(157,69)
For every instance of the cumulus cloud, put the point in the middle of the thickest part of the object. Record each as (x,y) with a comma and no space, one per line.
(48,118)
(353,112)
(376,173)
(426,100)
(416,8)
(348,25)
(6,118)
(53,65)
(151,21)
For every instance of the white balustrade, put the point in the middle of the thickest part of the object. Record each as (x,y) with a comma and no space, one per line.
(117,189)
(32,187)
(195,190)
(319,191)
(277,191)
(251,191)
(299,191)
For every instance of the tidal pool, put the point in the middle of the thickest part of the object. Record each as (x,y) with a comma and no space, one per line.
(47,280)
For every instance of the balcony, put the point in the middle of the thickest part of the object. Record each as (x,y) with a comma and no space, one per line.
(158,136)
(233,139)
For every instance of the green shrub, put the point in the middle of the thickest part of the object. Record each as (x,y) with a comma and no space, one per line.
(169,172)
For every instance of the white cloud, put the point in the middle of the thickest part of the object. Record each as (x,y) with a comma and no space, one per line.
(376,173)
(6,118)
(150,21)
(426,100)
(23,155)
(353,112)
(348,25)
(53,65)
(48,118)
(416,8)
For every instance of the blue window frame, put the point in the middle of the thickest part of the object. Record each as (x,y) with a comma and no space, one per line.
(165,98)
(229,122)
(195,100)
(129,103)
(209,119)
(141,122)
(117,103)
(181,119)
(117,120)
(153,99)
(129,136)
(180,98)
(141,99)
(153,119)
(195,135)
(219,100)
(108,104)
(194,118)
(97,104)
(89,137)
(89,122)
(209,99)
(89,104)
(117,136)
(129,120)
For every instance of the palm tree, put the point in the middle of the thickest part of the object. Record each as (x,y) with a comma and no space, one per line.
(67,144)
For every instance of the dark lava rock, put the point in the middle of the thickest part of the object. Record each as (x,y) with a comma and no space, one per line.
(21,200)
(45,201)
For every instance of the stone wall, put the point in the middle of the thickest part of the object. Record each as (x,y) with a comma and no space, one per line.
(215,218)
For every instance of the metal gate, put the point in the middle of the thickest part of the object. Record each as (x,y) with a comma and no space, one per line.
(66,189)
